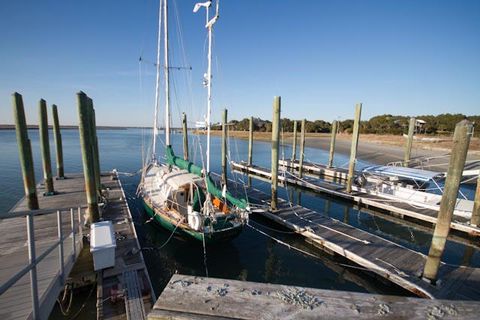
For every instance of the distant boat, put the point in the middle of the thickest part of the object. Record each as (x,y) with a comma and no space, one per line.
(177,194)
(409,185)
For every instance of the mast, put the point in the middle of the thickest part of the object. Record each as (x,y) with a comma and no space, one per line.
(209,90)
(208,78)
(167,77)
(157,83)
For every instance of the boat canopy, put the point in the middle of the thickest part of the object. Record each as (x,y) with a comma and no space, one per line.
(403,172)
(177,179)
(172,159)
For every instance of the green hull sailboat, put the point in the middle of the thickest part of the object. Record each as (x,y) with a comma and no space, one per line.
(177,194)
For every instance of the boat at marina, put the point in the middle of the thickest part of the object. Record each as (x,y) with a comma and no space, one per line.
(179,195)
(417,187)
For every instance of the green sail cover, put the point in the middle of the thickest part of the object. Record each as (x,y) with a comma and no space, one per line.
(172,159)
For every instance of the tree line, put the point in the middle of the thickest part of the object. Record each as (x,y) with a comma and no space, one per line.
(383,124)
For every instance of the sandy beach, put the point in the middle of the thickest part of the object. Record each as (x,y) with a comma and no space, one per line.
(380,149)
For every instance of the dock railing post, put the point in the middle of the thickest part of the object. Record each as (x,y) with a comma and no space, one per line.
(45,147)
(87,158)
(275,148)
(60,246)
(353,149)
(185,136)
(302,148)
(476,205)
(461,140)
(250,147)
(409,142)
(294,145)
(58,143)
(72,226)
(333,137)
(32,257)
(224,146)
(25,152)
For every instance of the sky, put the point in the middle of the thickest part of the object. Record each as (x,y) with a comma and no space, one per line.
(404,57)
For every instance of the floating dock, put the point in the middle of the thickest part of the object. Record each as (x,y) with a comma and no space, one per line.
(362,199)
(32,285)
(188,297)
(387,259)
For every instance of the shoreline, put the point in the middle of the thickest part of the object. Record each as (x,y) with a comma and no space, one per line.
(377,149)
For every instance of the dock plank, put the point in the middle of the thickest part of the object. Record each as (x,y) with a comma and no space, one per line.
(189,297)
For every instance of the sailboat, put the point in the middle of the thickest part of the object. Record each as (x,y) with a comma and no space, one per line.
(179,195)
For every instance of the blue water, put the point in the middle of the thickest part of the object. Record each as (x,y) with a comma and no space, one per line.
(251,256)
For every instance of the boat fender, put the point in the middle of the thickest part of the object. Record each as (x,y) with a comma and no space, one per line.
(194,219)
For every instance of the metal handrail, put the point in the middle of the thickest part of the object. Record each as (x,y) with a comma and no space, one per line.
(24,213)
(34,260)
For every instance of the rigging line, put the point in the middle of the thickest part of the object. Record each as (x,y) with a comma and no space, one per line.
(205,255)
(283,243)
(171,234)
(272,229)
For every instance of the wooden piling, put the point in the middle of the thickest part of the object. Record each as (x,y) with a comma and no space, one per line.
(476,205)
(87,157)
(224,146)
(25,152)
(94,146)
(353,149)
(294,141)
(250,146)
(275,148)
(58,143)
(461,140)
(409,142)
(45,147)
(333,137)
(302,149)
(185,136)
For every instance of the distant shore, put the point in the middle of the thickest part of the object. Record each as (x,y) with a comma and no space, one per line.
(67,127)
(378,149)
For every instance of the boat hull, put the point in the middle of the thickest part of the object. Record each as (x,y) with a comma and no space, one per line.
(219,235)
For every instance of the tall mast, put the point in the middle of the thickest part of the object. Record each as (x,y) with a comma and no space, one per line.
(209,89)
(167,78)
(157,83)
(208,78)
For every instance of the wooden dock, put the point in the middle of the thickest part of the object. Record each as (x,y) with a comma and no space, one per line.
(129,275)
(331,186)
(387,259)
(188,297)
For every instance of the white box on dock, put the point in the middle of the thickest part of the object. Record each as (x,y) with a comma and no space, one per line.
(102,245)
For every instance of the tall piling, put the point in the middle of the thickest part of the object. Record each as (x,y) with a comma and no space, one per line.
(224,146)
(353,149)
(25,152)
(250,147)
(58,143)
(185,136)
(333,137)
(461,140)
(409,142)
(275,148)
(294,142)
(94,146)
(87,157)
(45,147)
(476,205)
(302,149)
